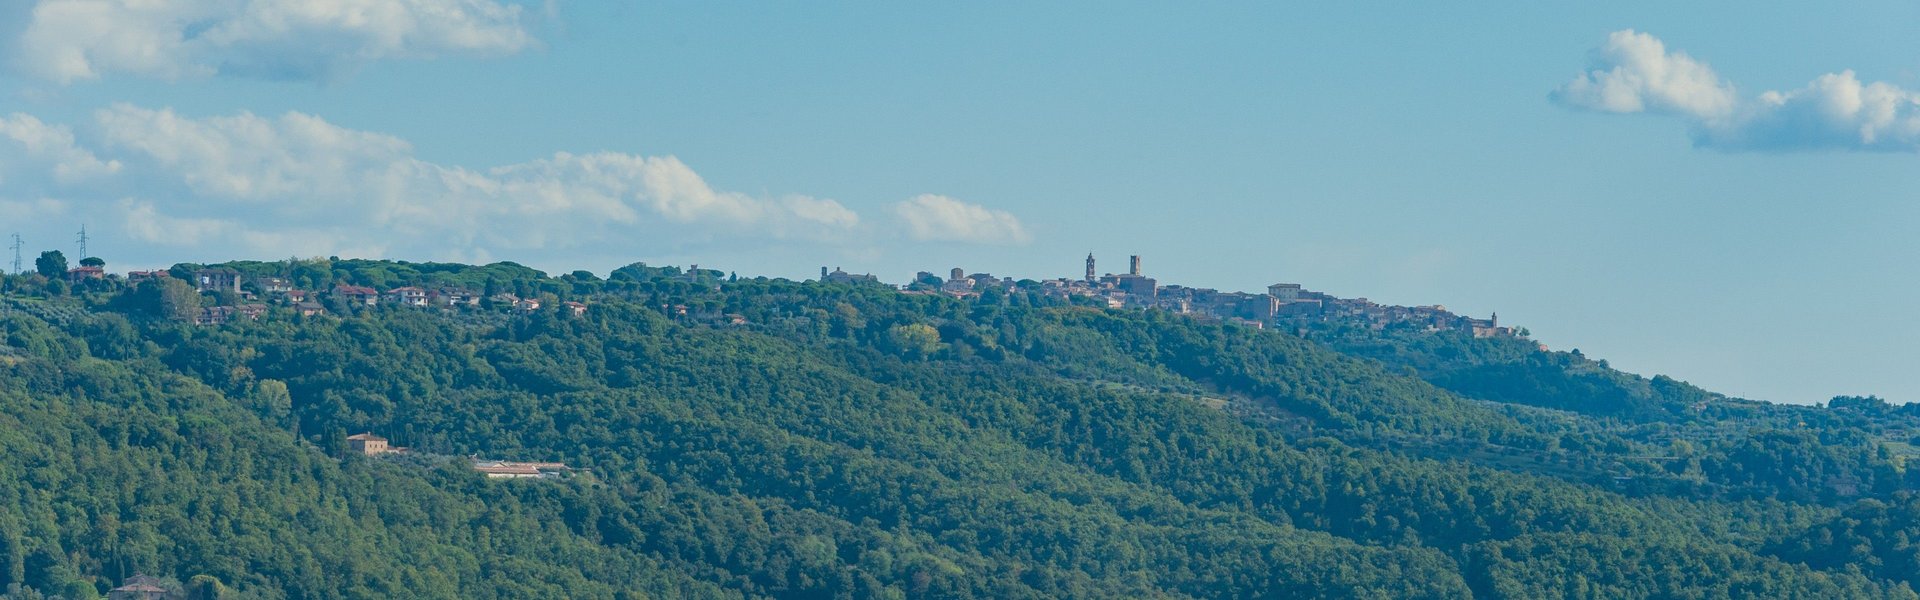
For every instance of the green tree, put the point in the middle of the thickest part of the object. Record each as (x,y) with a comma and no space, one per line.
(93,261)
(205,587)
(272,397)
(172,298)
(51,263)
(915,339)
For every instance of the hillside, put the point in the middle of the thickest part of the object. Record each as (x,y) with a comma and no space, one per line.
(767,438)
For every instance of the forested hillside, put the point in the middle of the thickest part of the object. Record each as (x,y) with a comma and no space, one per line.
(767,438)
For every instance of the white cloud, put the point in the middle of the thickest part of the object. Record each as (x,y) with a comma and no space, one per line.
(1835,111)
(31,211)
(931,217)
(255,185)
(144,223)
(297,168)
(1634,73)
(70,40)
(27,143)
(251,158)
(820,211)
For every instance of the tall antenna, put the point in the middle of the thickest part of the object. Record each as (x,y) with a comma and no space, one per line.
(17,245)
(83,242)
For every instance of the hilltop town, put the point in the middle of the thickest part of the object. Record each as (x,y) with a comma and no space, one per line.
(254,295)
(212,295)
(1284,305)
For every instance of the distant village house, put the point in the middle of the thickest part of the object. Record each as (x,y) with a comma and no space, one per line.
(370,444)
(407,296)
(354,294)
(79,274)
(138,587)
(500,469)
(214,280)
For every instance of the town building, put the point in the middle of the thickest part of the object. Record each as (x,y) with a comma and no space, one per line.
(454,297)
(138,587)
(1288,306)
(1138,289)
(958,286)
(1485,328)
(218,279)
(79,274)
(843,277)
(500,469)
(406,296)
(354,294)
(1286,292)
(221,315)
(369,444)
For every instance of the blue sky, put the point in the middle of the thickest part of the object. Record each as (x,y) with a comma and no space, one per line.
(1716,191)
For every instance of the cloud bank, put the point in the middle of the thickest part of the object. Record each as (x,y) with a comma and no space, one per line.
(932,217)
(1635,73)
(73,40)
(297,184)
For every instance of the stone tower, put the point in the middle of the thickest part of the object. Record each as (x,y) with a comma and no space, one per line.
(1090,266)
(1133,265)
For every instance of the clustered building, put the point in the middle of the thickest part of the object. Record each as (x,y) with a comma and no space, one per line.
(504,469)
(371,444)
(251,296)
(256,294)
(843,277)
(957,283)
(1283,304)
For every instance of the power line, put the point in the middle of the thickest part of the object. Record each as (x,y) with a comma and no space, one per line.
(83,241)
(17,245)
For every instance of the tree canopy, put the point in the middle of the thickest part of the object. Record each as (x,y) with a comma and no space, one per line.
(750,437)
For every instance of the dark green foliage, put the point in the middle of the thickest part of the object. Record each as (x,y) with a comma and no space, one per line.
(51,264)
(854,442)
(1515,370)
(1874,537)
